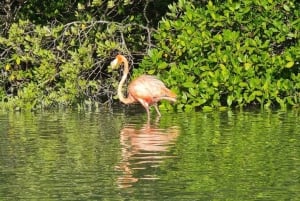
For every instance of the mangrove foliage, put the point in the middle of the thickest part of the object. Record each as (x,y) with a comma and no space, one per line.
(213,54)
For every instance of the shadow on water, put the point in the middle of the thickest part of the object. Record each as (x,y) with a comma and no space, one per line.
(142,148)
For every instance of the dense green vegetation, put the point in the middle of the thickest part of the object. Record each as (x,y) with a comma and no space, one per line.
(212,54)
(49,60)
(237,53)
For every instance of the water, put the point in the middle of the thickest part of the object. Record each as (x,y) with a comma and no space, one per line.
(71,155)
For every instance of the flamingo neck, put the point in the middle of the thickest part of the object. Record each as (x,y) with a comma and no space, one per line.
(123,99)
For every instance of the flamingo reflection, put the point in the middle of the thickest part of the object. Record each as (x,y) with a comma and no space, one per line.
(143,148)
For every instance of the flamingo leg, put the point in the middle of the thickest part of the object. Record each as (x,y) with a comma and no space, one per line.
(157,110)
(146,106)
(148,112)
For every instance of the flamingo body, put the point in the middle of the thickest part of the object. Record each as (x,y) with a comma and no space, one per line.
(150,89)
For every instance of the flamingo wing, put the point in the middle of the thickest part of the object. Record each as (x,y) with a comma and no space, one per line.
(150,89)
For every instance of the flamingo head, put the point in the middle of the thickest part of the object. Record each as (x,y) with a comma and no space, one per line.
(115,64)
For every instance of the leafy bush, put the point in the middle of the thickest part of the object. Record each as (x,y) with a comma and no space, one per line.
(233,53)
(57,53)
(61,65)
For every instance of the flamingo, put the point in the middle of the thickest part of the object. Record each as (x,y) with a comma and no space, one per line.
(146,89)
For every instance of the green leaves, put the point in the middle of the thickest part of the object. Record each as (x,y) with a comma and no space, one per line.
(289,64)
(236,52)
(218,54)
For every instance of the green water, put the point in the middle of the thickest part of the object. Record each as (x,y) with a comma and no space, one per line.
(116,155)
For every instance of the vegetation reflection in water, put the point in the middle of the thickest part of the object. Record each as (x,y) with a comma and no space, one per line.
(118,156)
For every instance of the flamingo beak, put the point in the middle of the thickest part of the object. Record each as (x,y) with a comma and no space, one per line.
(114,64)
